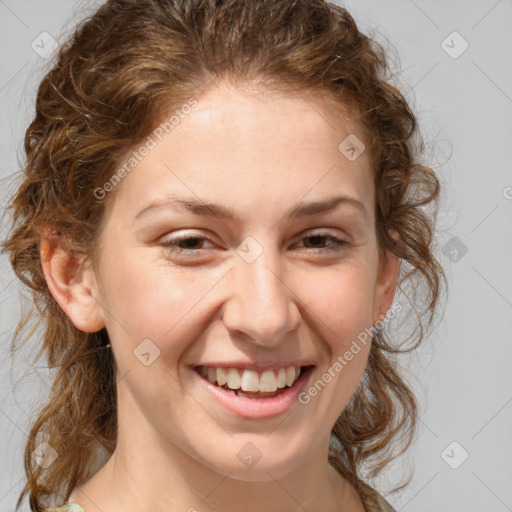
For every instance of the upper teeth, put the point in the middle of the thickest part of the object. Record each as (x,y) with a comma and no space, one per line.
(250,380)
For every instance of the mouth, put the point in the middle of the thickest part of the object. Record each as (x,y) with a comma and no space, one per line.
(247,383)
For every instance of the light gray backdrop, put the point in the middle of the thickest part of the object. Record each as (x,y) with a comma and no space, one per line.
(455,65)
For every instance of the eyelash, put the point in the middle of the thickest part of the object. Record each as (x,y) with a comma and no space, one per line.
(172,245)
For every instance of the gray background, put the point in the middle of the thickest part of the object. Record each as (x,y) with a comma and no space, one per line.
(461,373)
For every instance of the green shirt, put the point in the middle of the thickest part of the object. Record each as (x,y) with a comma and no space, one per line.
(373,502)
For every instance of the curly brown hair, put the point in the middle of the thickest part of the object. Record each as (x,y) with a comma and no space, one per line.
(113,80)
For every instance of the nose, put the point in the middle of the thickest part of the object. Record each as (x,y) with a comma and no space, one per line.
(261,304)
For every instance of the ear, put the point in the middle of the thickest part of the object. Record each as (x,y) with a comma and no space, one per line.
(72,283)
(385,286)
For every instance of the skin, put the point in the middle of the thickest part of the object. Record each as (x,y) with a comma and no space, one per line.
(260,154)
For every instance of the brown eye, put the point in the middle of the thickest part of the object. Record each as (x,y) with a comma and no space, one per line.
(317,240)
(185,244)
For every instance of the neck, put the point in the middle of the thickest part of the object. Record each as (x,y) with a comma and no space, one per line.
(147,472)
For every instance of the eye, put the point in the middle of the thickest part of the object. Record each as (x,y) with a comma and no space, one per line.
(317,240)
(190,243)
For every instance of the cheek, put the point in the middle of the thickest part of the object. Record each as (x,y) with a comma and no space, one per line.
(148,298)
(341,299)
(340,306)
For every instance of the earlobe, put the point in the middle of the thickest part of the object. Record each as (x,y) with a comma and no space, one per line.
(72,284)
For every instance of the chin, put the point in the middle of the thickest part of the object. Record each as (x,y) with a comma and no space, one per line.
(251,464)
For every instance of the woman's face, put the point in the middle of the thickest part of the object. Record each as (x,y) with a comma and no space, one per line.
(245,240)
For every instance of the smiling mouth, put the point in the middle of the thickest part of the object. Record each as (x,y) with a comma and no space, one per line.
(250,383)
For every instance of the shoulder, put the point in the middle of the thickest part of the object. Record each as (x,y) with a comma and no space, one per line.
(374,502)
(67,507)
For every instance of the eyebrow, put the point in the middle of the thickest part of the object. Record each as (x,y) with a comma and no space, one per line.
(221,212)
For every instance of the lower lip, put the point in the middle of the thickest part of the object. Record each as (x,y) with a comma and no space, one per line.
(257,407)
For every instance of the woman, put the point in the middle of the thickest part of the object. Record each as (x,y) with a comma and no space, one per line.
(219,204)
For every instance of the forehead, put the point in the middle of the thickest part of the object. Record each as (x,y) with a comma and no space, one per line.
(245,145)
(310,116)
